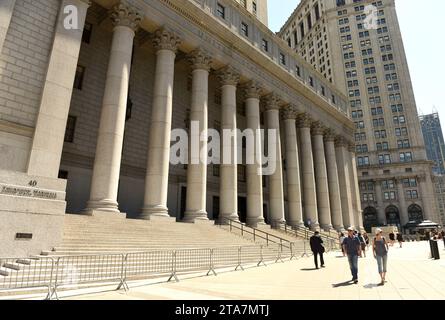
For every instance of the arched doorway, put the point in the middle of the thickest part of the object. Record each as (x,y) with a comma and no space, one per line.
(370,219)
(415,213)
(393,216)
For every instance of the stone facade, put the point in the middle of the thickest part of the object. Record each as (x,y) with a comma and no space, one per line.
(369,64)
(141,68)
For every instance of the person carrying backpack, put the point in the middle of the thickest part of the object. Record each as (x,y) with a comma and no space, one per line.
(380,249)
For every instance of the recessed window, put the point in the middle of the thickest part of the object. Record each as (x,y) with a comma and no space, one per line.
(87,32)
(282,59)
(78,79)
(70,129)
(265,45)
(244,29)
(221,11)
(311,81)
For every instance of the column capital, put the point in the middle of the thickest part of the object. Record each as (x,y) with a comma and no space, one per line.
(253,90)
(200,59)
(318,128)
(87,2)
(164,39)
(304,121)
(421,178)
(289,113)
(351,147)
(272,102)
(126,15)
(329,135)
(341,142)
(229,76)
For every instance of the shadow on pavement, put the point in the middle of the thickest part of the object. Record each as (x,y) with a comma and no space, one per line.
(372,285)
(343,284)
(309,269)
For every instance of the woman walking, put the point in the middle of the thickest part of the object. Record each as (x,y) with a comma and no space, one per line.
(380,249)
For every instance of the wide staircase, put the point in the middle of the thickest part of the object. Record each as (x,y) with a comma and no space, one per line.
(103,249)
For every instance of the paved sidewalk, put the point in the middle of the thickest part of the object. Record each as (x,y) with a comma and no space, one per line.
(411,275)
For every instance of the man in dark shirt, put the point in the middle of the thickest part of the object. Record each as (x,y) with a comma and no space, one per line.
(351,245)
(317,248)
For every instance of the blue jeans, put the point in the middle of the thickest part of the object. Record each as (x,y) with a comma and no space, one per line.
(353,264)
(382,262)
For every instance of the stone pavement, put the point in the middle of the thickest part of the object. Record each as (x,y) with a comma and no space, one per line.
(411,275)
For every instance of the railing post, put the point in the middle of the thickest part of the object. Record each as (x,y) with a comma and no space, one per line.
(211,267)
(52,291)
(242,230)
(239,260)
(267,239)
(123,279)
(173,275)
(254,235)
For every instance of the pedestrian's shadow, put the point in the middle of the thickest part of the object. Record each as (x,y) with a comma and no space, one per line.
(372,286)
(309,269)
(343,284)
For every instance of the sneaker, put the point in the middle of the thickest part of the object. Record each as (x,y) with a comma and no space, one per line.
(355,281)
(323,266)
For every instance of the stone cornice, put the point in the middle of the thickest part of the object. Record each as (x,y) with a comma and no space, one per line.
(125,15)
(229,76)
(165,40)
(200,59)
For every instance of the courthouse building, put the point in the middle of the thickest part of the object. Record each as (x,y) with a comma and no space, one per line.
(86,117)
(357,45)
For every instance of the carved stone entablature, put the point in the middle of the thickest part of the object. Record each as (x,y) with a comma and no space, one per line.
(165,40)
(272,102)
(304,121)
(289,113)
(126,15)
(200,59)
(253,90)
(318,128)
(329,135)
(229,76)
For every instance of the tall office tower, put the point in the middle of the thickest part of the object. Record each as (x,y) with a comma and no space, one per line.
(357,45)
(434,142)
(258,8)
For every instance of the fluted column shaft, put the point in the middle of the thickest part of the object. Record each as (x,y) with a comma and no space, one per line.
(356,200)
(254,171)
(343,164)
(229,166)
(158,159)
(309,188)
(197,168)
(334,185)
(321,178)
(381,215)
(293,170)
(107,164)
(276,191)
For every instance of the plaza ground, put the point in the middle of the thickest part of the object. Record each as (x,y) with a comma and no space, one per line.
(412,275)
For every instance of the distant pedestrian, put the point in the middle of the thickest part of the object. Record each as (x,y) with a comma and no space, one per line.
(342,238)
(317,248)
(362,243)
(353,250)
(392,238)
(366,237)
(380,249)
(400,239)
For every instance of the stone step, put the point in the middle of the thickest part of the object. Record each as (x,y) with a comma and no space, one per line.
(25,262)
(4,272)
(12,266)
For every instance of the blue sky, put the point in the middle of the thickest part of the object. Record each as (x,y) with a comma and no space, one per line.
(423,35)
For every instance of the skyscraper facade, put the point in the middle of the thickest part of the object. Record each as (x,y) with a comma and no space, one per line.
(357,45)
(434,142)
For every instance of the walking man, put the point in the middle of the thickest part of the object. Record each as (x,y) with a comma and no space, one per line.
(317,248)
(352,247)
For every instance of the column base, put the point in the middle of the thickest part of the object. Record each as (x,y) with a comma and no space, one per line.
(255,222)
(109,206)
(195,216)
(340,229)
(296,224)
(327,227)
(314,227)
(224,219)
(276,224)
(104,214)
(154,213)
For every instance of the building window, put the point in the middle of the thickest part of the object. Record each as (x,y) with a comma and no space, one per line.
(87,32)
(265,45)
(311,81)
(70,129)
(244,29)
(221,11)
(282,59)
(254,8)
(78,79)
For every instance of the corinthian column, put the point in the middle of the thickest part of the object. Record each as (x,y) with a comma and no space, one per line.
(333,183)
(356,200)
(321,177)
(309,189)
(293,169)
(158,159)
(229,78)
(107,164)
(276,192)
(197,168)
(343,164)
(254,171)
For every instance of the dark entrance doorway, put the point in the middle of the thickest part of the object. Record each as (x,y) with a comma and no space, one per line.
(265,215)
(242,209)
(393,216)
(370,219)
(415,213)
(183,203)
(215,208)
